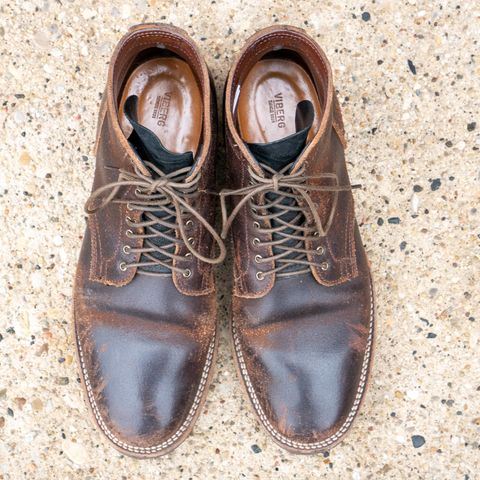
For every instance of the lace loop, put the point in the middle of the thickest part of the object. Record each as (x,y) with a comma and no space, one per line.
(167,194)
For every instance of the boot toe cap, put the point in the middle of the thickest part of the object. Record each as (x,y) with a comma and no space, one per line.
(306,386)
(144,391)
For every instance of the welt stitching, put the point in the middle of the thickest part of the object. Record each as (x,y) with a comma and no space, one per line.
(353,411)
(178,433)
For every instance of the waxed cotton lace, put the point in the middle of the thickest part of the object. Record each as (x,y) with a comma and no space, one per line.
(286,212)
(163,200)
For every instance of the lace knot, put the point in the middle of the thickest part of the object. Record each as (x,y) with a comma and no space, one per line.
(275,182)
(158,184)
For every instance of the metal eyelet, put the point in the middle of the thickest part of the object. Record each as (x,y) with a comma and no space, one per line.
(256,224)
(129,207)
(316,234)
(122,266)
(188,255)
(127,249)
(129,220)
(137,191)
(129,233)
(260,276)
(320,250)
(324,266)
(189,223)
(187,273)
(258,258)
(191,240)
(256,242)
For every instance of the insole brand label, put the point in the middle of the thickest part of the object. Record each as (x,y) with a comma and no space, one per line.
(160,109)
(277,113)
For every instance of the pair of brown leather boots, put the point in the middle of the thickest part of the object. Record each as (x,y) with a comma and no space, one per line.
(144,300)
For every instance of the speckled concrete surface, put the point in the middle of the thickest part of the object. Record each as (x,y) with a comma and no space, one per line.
(408,76)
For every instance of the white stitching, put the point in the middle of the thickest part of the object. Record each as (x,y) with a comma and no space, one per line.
(328,441)
(178,433)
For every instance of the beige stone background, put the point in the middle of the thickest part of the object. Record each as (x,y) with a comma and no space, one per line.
(413,144)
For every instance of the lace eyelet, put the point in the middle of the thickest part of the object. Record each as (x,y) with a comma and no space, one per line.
(127,249)
(187,273)
(188,255)
(189,223)
(324,266)
(129,220)
(256,224)
(191,240)
(260,276)
(137,191)
(316,234)
(258,258)
(122,266)
(129,233)
(129,207)
(256,242)
(320,250)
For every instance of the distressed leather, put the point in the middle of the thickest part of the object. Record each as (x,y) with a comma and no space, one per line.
(303,343)
(146,343)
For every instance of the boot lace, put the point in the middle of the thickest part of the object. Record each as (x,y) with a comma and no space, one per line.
(164,200)
(287,207)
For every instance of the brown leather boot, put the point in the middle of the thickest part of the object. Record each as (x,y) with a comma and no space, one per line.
(302,305)
(144,299)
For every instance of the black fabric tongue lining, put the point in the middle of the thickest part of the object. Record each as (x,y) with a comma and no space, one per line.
(281,152)
(148,145)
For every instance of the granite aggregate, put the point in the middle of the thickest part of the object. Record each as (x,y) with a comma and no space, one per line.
(407,74)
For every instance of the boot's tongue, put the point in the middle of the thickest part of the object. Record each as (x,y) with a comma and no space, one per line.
(148,145)
(277,155)
(150,149)
(281,152)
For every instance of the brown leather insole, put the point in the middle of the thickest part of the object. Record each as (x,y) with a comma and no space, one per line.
(268,100)
(169,103)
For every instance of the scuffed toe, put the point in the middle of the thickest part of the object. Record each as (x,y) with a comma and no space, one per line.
(143,386)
